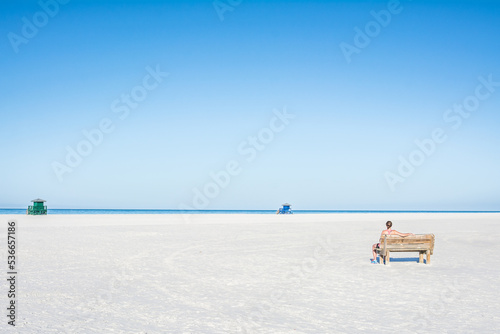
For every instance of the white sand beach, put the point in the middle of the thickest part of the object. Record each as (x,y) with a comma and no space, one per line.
(214,273)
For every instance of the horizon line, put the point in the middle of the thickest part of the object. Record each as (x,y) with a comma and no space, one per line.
(272,210)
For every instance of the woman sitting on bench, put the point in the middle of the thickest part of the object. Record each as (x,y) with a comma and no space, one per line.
(389,231)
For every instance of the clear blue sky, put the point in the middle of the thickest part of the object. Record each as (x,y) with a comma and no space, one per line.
(354,116)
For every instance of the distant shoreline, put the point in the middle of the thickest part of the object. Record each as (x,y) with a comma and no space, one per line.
(152,211)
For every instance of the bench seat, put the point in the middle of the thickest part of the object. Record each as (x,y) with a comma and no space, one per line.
(420,243)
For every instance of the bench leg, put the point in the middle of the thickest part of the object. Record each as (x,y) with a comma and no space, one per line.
(380,257)
(387,257)
(420,257)
(428,253)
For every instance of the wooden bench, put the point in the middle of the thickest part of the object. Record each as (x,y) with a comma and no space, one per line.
(421,243)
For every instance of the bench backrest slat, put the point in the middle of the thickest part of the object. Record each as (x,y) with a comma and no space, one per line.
(419,241)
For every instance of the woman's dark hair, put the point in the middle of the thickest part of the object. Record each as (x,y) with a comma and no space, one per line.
(388,224)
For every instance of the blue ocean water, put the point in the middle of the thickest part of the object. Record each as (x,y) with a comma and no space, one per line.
(142,211)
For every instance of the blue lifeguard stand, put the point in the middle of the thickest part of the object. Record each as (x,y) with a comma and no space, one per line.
(285,209)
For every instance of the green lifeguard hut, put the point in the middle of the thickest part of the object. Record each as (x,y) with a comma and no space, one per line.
(37,208)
